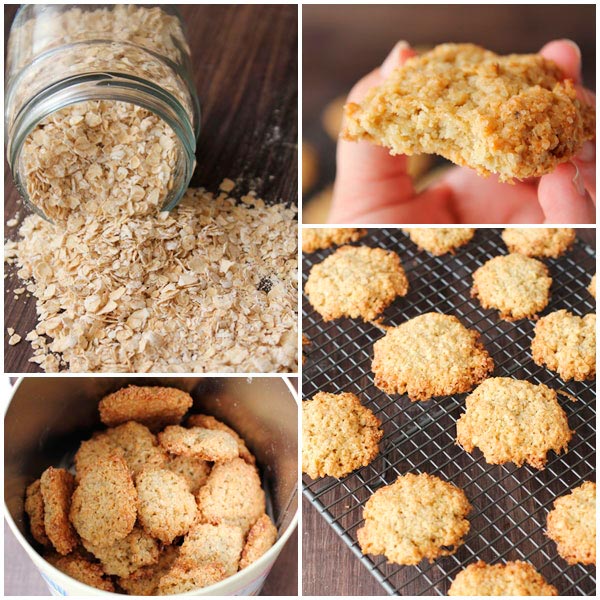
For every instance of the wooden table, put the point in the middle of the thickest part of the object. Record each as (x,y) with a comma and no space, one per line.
(245,60)
(329,568)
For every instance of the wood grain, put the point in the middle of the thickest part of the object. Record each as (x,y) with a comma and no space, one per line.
(246,74)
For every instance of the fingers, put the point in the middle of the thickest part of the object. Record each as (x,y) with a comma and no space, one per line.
(586,163)
(566,54)
(368,176)
(563,197)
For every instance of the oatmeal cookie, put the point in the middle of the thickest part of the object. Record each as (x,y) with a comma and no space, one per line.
(515,578)
(232,495)
(260,538)
(103,508)
(209,422)
(144,581)
(154,407)
(440,240)
(56,486)
(516,115)
(511,420)
(314,239)
(208,444)
(356,281)
(126,556)
(339,435)
(430,355)
(98,447)
(516,285)
(416,517)
(566,344)
(194,470)
(78,567)
(166,507)
(186,578)
(572,524)
(592,286)
(540,242)
(34,507)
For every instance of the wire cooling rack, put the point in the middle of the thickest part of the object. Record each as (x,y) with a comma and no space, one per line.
(510,504)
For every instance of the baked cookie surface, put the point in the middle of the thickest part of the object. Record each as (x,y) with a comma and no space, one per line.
(511,420)
(566,344)
(572,524)
(262,535)
(339,435)
(514,115)
(440,240)
(314,239)
(514,578)
(540,242)
(356,281)
(518,286)
(34,507)
(592,285)
(431,355)
(78,567)
(416,517)
(207,444)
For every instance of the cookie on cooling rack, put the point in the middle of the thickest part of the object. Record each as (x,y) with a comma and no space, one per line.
(592,286)
(416,517)
(314,239)
(511,420)
(572,524)
(546,242)
(517,285)
(439,240)
(515,578)
(431,355)
(566,344)
(356,282)
(339,435)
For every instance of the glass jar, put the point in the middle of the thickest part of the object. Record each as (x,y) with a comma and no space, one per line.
(70,65)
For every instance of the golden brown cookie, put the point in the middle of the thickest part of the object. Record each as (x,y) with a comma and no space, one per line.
(566,344)
(339,435)
(515,578)
(209,422)
(34,507)
(314,239)
(154,407)
(511,420)
(126,556)
(208,444)
(517,115)
(516,285)
(194,470)
(78,567)
(430,355)
(232,495)
(103,508)
(572,524)
(56,486)
(592,285)
(440,240)
(144,581)
(186,578)
(356,281)
(416,517)
(98,447)
(541,242)
(260,538)
(166,508)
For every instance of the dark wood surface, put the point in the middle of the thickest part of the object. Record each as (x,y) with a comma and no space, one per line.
(329,568)
(245,61)
(341,46)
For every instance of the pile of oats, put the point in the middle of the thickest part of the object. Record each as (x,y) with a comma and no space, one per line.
(210,286)
(100,158)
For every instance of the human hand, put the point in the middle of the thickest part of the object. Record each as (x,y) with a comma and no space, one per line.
(372,186)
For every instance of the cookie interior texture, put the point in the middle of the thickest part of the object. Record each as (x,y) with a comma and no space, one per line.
(511,420)
(513,115)
(153,516)
(515,578)
(417,516)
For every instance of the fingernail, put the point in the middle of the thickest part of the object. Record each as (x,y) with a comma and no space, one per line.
(574,46)
(578,182)
(587,153)
(393,59)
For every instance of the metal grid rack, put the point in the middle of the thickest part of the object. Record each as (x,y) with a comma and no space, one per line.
(510,504)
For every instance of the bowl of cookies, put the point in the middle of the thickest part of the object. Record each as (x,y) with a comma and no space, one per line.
(152,486)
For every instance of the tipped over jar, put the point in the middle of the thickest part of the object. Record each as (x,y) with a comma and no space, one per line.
(101,115)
